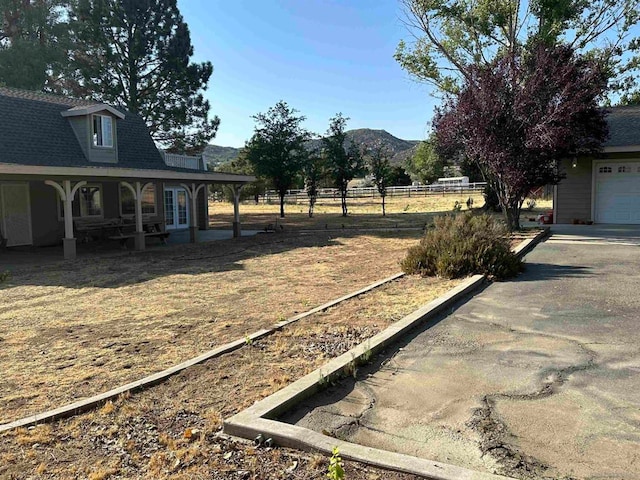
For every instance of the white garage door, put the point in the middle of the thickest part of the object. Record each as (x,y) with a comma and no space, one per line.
(617,192)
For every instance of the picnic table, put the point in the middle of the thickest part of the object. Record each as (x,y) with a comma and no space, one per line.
(116,229)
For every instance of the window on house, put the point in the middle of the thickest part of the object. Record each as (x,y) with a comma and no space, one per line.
(604,170)
(86,203)
(624,169)
(102,131)
(128,204)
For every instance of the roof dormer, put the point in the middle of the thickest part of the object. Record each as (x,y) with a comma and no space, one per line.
(95,128)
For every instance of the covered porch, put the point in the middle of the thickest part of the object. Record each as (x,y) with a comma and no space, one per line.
(51,205)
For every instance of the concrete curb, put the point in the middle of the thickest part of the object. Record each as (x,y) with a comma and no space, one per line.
(159,377)
(258,419)
(527,245)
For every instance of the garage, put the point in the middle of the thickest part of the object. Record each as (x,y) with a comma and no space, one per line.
(605,189)
(617,192)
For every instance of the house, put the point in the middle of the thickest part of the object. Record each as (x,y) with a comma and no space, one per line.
(64,161)
(605,189)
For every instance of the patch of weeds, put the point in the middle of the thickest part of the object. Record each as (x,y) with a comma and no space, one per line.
(4,276)
(336,466)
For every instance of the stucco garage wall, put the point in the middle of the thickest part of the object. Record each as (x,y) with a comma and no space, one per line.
(573,193)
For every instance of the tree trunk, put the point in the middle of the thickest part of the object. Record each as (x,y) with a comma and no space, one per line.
(282,194)
(512,216)
(343,198)
(384,213)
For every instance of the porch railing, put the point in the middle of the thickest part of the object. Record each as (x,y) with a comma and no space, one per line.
(183,161)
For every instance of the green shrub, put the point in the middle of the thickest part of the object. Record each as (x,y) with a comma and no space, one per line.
(461,245)
(4,276)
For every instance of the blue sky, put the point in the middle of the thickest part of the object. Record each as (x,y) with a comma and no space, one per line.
(320,56)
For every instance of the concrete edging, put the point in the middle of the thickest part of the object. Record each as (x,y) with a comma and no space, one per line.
(159,377)
(259,418)
(527,245)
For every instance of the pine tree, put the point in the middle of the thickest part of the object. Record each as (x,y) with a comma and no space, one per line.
(136,53)
(34,43)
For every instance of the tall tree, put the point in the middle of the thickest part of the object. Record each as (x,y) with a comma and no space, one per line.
(380,169)
(425,163)
(277,148)
(453,37)
(137,53)
(34,43)
(314,172)
(517,116)
(343,162)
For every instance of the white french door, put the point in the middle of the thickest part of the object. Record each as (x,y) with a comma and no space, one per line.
(176,208)
(15,214)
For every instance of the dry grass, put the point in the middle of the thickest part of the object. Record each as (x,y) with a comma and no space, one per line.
(151,434)
(71,330)
(77,329)
(402,212)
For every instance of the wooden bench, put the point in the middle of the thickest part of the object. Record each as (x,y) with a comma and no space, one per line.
(151,229)
(88,229)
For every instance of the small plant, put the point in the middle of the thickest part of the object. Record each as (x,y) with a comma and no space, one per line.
(336,469)
(4,276)
(461,245)
(457,206)
(469,203)
(248,340)
(323,381)
(351,368)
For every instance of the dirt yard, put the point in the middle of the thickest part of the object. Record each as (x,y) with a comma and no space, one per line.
(77,329)
(173,430)
(70,330)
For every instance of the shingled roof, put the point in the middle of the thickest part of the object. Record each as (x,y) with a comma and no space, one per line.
(33,132)
(624,126)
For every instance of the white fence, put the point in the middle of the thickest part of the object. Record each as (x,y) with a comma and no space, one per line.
(372,192)
(183,161)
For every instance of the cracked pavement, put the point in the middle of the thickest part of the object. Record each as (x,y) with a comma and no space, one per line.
(538,377)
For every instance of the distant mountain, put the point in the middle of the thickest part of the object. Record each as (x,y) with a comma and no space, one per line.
(401,149)
(215,155)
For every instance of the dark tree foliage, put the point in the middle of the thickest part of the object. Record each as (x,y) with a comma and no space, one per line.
(137,53)
(518,116)
(380,169)
(277,148)
(399,177)
(34,43)
(343,162)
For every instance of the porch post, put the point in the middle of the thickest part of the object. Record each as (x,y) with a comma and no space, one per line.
(66,195)
(237,232)
(193,195)
(139,238)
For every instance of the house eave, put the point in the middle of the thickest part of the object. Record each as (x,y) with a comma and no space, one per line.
(82,111)
(119,172)
(622,149)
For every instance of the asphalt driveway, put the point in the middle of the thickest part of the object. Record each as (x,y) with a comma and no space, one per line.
(533,378)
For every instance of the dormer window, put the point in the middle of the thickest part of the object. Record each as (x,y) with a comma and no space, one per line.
(102,131)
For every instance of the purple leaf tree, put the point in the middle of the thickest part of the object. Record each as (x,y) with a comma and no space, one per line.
(517,117)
